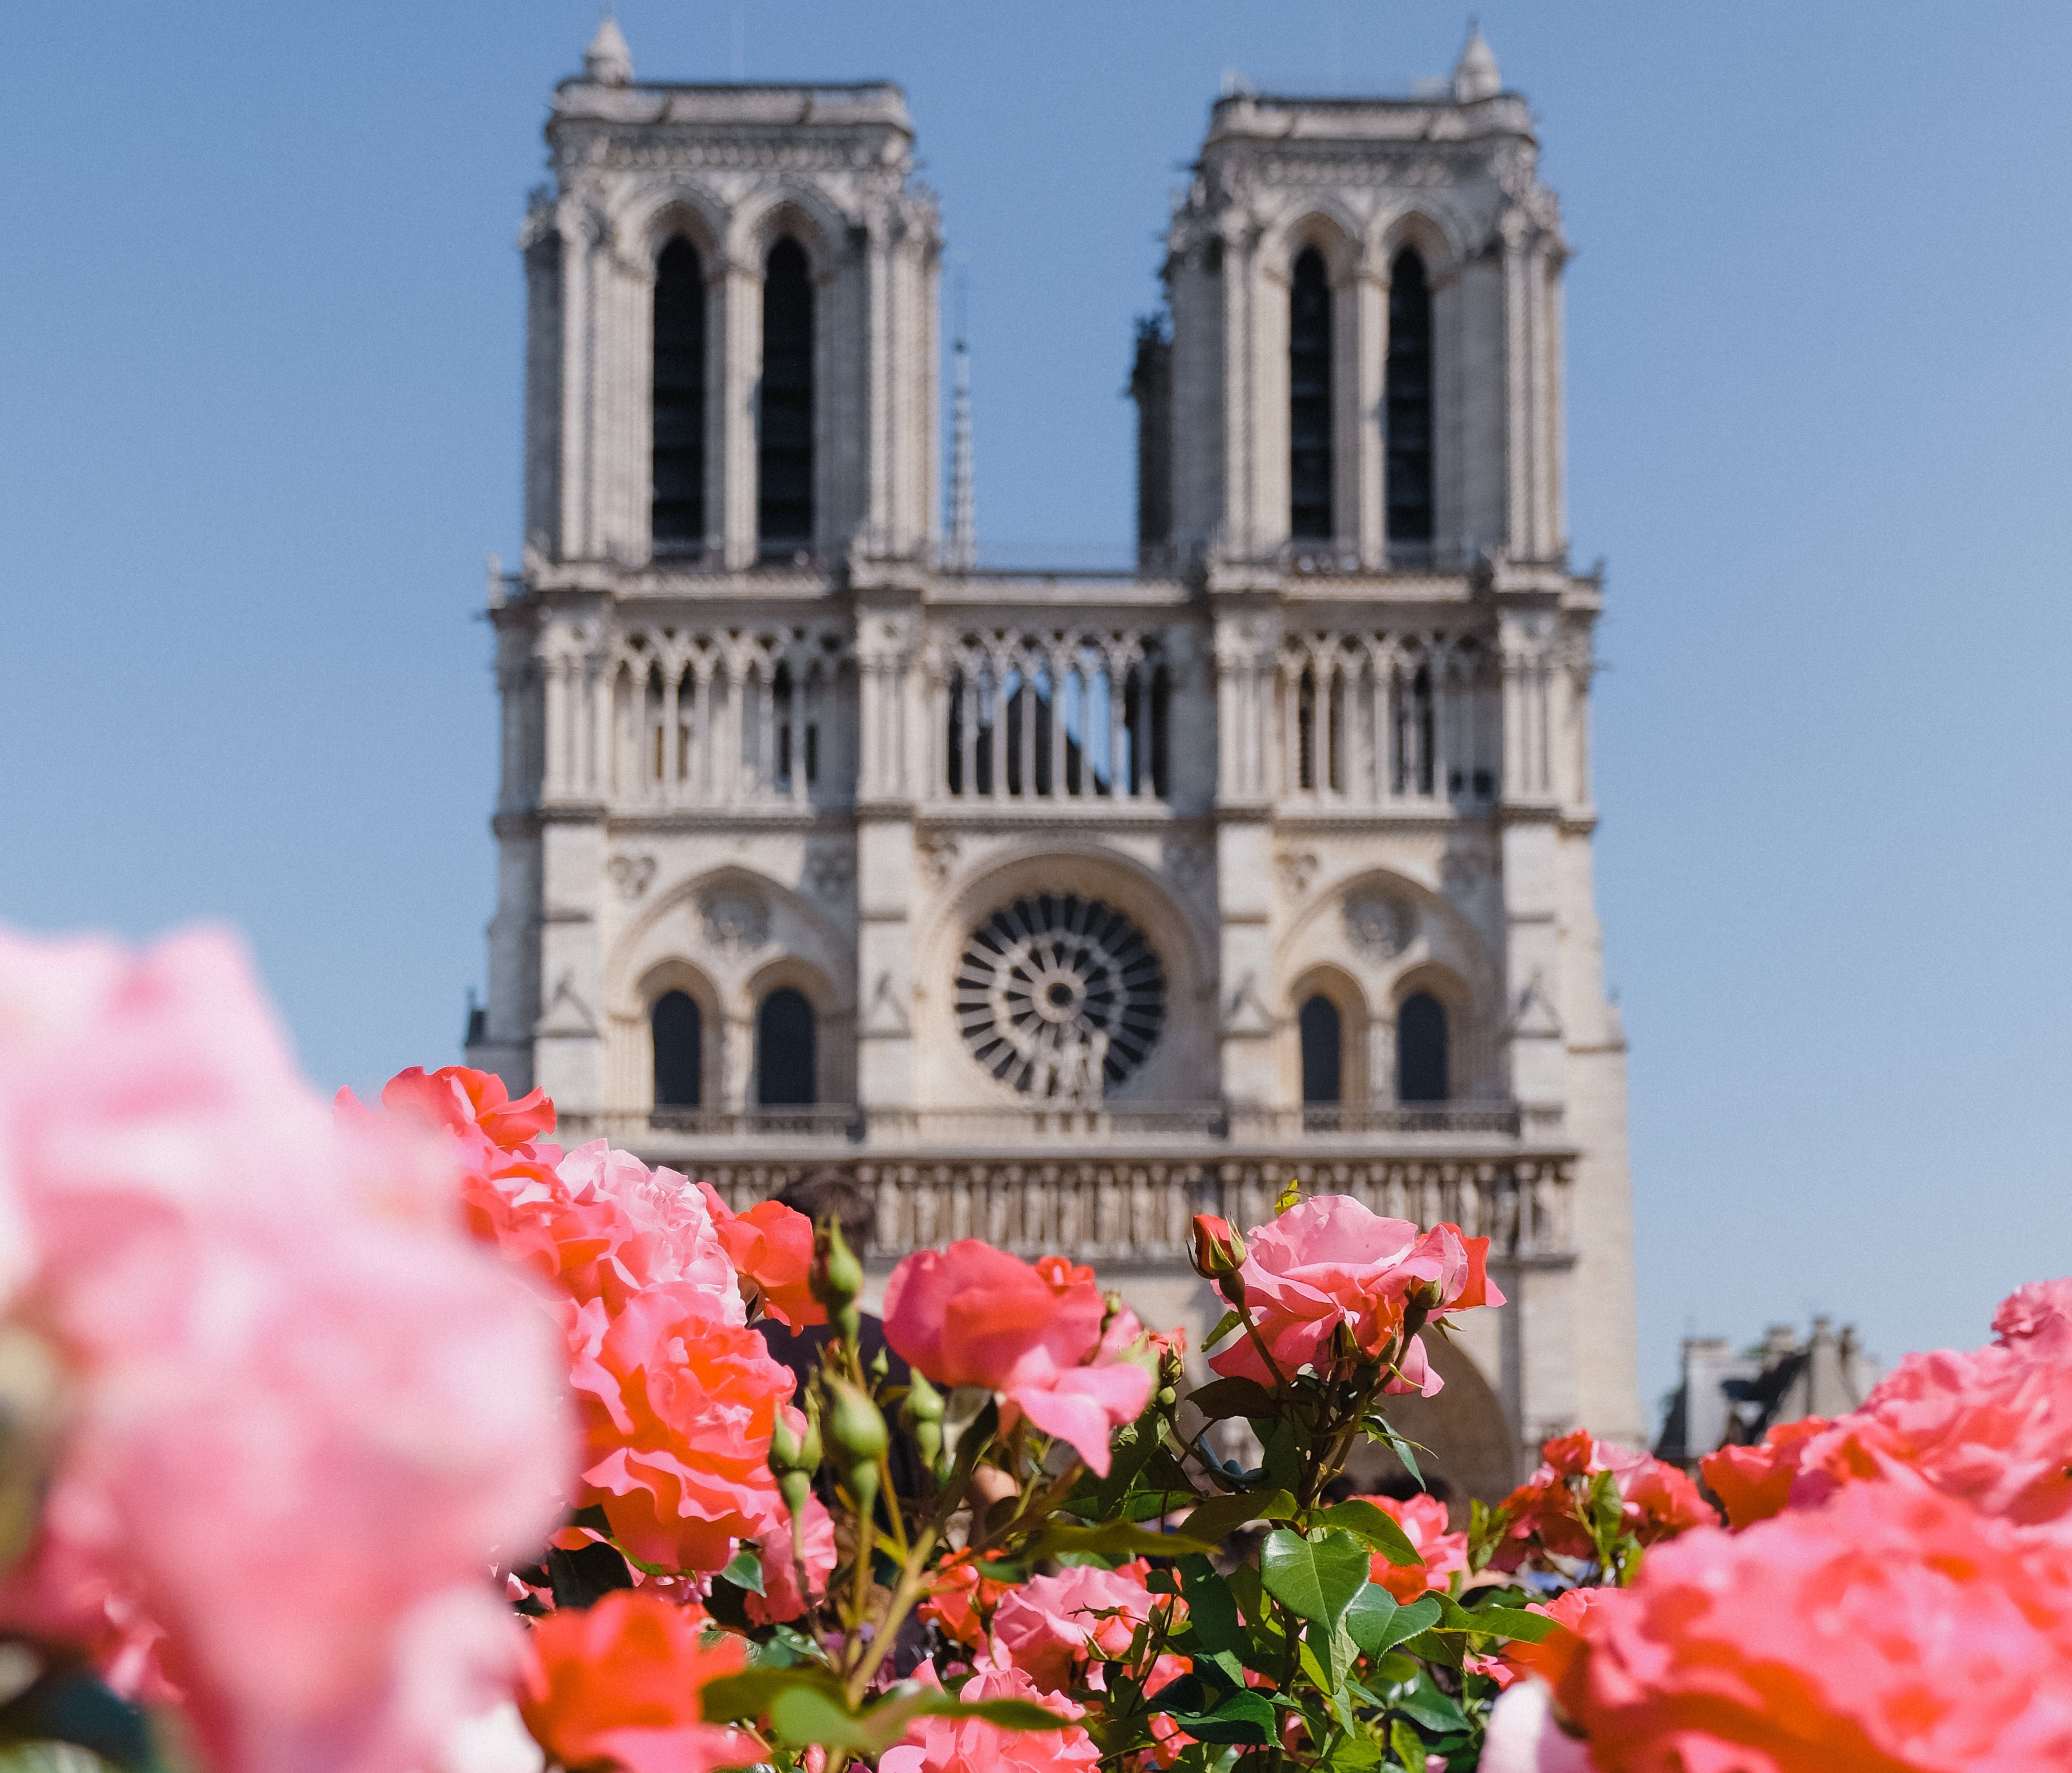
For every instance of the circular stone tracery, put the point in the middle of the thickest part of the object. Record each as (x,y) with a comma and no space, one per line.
(1060,996)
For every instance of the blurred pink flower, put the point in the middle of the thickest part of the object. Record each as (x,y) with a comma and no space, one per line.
(1891,1628)
(1992,1428)
(1329,1262)
(308,1412)
(618,1686)
(970,1745)
(1042,1625)
(973,1316)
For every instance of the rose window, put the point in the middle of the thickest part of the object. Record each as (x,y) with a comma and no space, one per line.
(1060,996)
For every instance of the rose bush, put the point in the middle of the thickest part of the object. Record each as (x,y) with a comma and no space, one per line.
(289,1398)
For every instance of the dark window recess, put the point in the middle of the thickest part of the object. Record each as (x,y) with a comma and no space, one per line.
(784,450)
(1420,1050)
(1321,1062)
(1162,727)
(677,515)
(678,1050)
(1310,400)
(1407,400)
(785,1057)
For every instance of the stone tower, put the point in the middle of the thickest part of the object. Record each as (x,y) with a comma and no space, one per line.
(1059,905)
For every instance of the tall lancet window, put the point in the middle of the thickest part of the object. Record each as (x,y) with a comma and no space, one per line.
(784,454)
(1309,400)
(1408,401)
(678,511)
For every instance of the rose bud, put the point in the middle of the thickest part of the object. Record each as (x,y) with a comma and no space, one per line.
(1216,1248)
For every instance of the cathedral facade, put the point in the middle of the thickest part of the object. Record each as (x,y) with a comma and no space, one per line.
(1057,906)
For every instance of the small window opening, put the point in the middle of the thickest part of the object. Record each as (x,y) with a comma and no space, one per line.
(1420,1050)
(678,1039)
(1323,1051)
(785,1070)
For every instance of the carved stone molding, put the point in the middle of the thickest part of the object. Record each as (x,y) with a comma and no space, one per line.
(937,854)
(828,872)
(1379,926)
(632,875)
(1296,869)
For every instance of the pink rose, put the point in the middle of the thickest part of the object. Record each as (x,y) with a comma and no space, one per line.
(1329,1262)
(780,1599)
(677,1402)
(1892,1628)
(307,1415)
(1992,1428)
(1423,1520)
(770,1245)
(1043,1625)
(1548,1511)
(2041,1310)
(970,1745)
(973,1316)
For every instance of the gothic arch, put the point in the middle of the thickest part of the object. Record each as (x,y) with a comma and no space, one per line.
(833,1044)
(1393,935)
(731,925)
(803,213)
(658,216)
(1328,225)
(658,981)
(1181,1066)
(1436,238)
(1344,992)
(1472,1450)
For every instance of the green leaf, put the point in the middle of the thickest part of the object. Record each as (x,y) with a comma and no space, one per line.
(1113,1539)
(808,1715)
(752,1692)
(1211,1607)
(1336,1651)
(1511,1621)
(1316,1576)
(1401,1448)
(1430,1707)
(1284,1455)
(1134,1444)
(1228,1321)
(1378,1628)
(1220,1516)
(1357,1756)
(1373,1524)
(1242,1717)
(745,1570)
(1237,1397)
(1408,1745)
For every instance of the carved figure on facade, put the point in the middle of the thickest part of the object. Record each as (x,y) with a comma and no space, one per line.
(735,919)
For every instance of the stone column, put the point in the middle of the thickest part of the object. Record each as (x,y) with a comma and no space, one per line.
(742,372)
(887,640)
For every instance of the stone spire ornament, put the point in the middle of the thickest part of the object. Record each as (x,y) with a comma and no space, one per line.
(963,550)
(608,62)
(1475,74)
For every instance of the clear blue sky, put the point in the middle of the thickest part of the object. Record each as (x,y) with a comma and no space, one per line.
(259,352)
